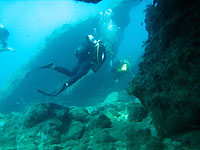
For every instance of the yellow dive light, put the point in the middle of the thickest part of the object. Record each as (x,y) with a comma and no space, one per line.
(124,67)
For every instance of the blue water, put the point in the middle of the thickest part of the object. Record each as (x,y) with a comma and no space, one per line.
(30,23)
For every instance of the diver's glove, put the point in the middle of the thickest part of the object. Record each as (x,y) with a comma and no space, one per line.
(55,93)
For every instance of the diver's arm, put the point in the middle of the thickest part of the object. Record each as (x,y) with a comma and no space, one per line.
(82,72)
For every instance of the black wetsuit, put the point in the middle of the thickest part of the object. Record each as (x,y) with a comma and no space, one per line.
(90,56)
(86,59)
(80,69)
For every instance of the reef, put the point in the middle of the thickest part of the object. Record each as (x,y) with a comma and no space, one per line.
(168,82)
(107,126)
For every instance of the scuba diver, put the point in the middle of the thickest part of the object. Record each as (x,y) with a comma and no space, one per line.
(91,55)
(4,34)
(119,68)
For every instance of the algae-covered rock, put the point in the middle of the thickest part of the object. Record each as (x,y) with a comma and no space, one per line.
(76,130)
(102,121)
(95,110)
(36,114)
(42,112)
(168,81)
(79,114)
(154,144)
(136,136)
(137,112)
(191,139)
(103,137)
(54,126)
(9,126)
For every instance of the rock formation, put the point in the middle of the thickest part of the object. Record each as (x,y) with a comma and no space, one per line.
(106,126)
(168,83)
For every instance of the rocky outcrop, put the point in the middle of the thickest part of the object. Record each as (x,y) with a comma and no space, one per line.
(50,126)
(168,82)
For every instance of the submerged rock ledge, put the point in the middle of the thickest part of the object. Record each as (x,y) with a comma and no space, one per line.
(168,83)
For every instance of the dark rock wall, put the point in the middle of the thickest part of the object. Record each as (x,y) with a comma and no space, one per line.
(168,82)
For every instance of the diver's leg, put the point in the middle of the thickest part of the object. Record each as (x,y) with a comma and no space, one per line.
(49,65)
(84,69)
(66,71)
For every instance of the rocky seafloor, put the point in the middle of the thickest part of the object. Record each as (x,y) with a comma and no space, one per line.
(114,124)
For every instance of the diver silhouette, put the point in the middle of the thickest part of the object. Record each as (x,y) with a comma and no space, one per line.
(91,55)
(4,34)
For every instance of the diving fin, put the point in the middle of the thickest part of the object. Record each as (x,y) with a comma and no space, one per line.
(52,94)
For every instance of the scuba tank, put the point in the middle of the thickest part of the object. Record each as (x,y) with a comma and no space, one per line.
(100,56)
